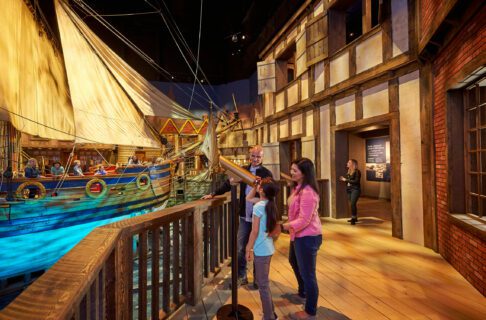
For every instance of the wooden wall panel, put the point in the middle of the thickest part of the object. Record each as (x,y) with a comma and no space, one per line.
(280,101)
(296,124)
(293,94)
(283,129)
(369,53)
(317,41)
(325,142)
(304,86)
(309,123)
(375,100)
(271,158)
(318,77)
(273,132)
(345,110)
(410,157)
(300,54)
(266,74)
(339,68)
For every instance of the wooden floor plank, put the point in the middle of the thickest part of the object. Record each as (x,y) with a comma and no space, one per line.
(364,273)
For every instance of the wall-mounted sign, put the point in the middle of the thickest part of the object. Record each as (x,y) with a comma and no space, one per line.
(378,159)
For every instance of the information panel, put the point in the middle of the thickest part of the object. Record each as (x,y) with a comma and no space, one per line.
(378,159)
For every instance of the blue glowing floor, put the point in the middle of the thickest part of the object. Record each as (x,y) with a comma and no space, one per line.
(39,251)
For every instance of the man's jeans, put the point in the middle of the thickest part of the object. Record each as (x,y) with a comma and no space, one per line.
(244,230)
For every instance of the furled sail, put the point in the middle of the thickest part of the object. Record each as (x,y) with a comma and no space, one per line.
(150,100)
(103,112)
(33,88)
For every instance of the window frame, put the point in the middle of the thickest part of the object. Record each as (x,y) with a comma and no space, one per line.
(476,148)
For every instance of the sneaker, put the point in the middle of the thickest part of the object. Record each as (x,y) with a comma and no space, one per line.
(240,282)
(253,286)
(353,220)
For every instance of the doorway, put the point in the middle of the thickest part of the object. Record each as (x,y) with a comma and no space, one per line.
(290,150)
(375,147)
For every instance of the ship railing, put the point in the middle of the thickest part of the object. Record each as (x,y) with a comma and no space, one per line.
(146,266)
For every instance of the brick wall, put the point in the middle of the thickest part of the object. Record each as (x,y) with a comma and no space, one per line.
(462,249)
(428,9)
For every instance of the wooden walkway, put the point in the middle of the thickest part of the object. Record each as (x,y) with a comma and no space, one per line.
(363,273)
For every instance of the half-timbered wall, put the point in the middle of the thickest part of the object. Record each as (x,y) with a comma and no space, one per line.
(372,79)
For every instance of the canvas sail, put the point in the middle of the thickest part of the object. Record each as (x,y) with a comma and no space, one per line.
(103,112)
(147,98)
(33,88)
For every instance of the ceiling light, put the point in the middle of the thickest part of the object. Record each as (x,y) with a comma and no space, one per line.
(243,37)
(234,38)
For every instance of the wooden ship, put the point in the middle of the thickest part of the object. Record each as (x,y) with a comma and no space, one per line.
(89,95)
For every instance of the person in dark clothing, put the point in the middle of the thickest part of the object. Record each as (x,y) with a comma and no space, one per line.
(353,187)
(246,208)
(32,170)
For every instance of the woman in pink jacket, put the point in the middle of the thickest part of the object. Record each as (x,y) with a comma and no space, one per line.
(305,230)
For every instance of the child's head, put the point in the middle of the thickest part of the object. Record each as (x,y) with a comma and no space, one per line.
(268,188)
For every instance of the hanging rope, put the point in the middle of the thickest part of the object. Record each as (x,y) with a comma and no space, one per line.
(87,9)
(184,56)
(197,59)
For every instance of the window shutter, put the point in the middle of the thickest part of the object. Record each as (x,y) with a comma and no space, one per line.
(317,39)
(267,81)
(300,54)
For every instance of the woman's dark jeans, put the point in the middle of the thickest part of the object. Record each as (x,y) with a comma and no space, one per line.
(353,196)
(295,267)
(306,253)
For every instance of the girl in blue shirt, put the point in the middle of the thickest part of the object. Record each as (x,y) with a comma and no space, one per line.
(260,244)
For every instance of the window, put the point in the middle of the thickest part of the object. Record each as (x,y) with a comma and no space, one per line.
(475,136)
(349,19)
(287,61)
(354,24)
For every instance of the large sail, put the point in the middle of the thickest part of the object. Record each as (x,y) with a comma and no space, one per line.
(103,112)
(150,100)
(33,88)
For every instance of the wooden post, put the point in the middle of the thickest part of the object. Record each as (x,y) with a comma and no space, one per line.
(195,255)
(123,271)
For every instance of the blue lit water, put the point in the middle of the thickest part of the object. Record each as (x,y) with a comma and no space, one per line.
(39,251)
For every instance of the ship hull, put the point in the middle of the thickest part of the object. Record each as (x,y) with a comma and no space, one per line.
(73,202)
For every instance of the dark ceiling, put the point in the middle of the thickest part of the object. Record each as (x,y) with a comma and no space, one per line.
(223,57)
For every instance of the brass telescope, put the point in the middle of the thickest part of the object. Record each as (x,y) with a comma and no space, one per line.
(246,176)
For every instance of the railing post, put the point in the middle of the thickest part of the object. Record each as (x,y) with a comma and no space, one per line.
(123,271)
(195,255)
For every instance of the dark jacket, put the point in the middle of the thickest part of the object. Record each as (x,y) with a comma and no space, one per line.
(353,180)
(31,172)
(261,172)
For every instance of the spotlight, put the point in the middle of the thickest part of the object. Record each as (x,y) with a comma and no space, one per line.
(234,38)
(243,37)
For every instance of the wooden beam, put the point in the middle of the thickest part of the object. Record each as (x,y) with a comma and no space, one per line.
(428,158)
(318,142)
(393,95)
(387,34)
(396,180)
(359,105)
(366,16)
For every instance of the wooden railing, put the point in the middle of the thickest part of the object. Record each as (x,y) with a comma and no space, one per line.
(145,266)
